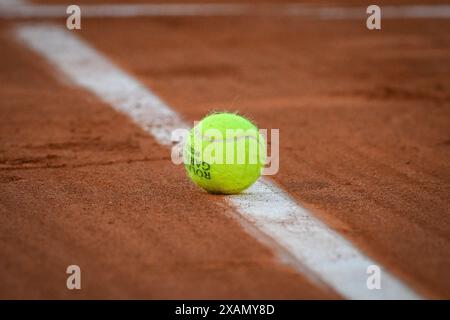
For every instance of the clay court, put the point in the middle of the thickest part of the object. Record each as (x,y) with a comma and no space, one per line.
(364,176)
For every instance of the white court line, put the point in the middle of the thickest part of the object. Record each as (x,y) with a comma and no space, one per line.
(21,10)
(4,3)
(314,246)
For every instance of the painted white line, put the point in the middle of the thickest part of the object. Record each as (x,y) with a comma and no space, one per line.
(89,70)
(182,10)
(9,3)
(130,10)
(322,251)
(417,11)
(316,248)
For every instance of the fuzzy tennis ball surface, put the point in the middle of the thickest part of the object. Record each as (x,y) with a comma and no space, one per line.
(224,153)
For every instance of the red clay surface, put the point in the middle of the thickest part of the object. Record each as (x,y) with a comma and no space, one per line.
(314,2)
(365,143)
(74,189)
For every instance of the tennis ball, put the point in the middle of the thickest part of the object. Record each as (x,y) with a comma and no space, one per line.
(224,153)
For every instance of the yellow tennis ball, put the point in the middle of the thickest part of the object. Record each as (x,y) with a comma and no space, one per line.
(224,153)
